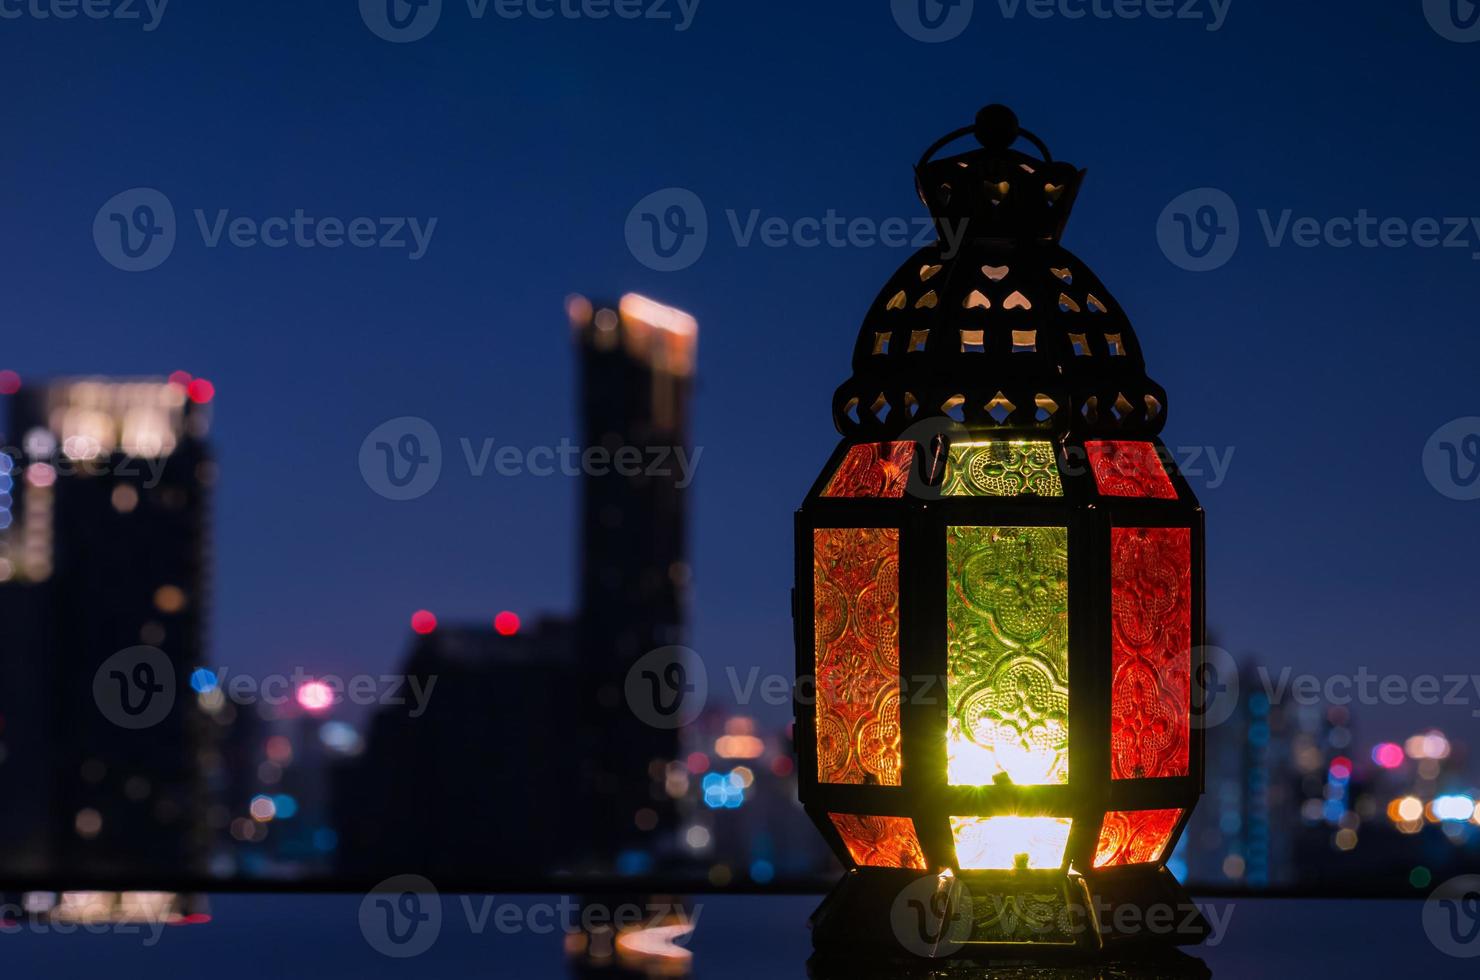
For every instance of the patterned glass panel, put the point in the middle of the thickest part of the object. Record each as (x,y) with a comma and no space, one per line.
(1151,639)
(880,842)
(856,579)
(1008,843)
(1135,836)
(1007,645)
(1002,469)
(1032,911)
(873,470)
(1129,469)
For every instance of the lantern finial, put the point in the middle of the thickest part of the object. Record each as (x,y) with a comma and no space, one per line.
(997,127)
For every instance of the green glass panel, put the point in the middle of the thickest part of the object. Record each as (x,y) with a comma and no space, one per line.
(1002,469)
(1007,636)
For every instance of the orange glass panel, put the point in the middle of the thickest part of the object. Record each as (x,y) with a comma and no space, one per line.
(855,575)
(1135,837)
(880,842)
(873,470)
(1151,642)
(1129,469)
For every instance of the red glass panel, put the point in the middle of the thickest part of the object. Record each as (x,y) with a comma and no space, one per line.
(880,842)
(856,580)
(1151,640)
(1135,837)
(873,470)
(1129,469)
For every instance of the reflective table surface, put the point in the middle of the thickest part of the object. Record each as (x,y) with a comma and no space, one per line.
(330,936)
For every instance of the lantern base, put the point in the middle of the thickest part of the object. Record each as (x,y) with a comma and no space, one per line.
(884,919)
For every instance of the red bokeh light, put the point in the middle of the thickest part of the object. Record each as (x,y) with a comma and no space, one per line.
(10,382)
(506,623)
(316,696)
(698,763)
(1388,755)
(181,378)
(201,391)
(423,622)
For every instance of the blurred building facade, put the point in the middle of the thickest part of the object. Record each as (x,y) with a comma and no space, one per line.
(105,546)
(528,759)
(635,383)
(478,784)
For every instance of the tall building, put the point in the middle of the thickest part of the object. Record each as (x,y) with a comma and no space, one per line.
(1244,832)
(104,547)
(636,360)
(528,759)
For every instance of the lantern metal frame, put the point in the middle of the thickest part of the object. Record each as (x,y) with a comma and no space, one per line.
(924,378)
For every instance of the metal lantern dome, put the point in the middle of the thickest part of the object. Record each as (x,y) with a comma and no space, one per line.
(999,592)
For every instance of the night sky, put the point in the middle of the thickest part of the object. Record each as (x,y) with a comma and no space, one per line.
(1324,370)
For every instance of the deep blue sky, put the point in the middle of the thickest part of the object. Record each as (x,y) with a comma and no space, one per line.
(1326,370)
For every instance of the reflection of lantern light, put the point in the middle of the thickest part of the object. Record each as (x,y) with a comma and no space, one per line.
(999,587)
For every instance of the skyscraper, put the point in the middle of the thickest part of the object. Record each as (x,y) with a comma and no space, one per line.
(104,597)
(636,377)
(528,759)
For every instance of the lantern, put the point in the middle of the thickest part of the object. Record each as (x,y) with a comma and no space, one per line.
(999,595)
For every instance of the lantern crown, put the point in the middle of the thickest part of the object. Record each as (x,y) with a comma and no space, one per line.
(996,191)
(996,326)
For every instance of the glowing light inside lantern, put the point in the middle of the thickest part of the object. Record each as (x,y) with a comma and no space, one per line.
(1010,843)
(1007,637)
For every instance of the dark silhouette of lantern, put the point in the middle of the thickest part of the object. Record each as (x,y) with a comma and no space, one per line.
(999,594)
